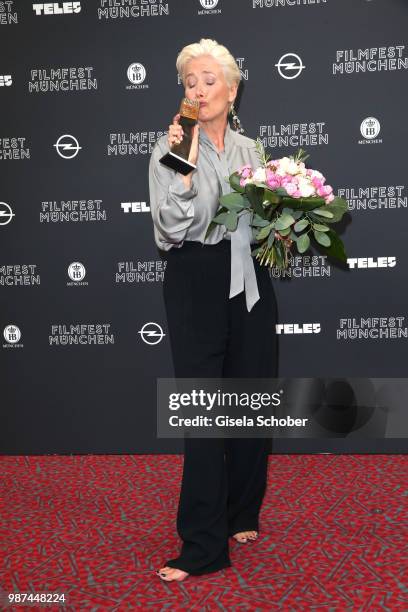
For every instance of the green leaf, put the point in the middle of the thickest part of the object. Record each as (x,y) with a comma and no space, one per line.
(338,207)
(233,201)
(336,249)
(304,204)
(339,203)
(320,227)
(255,196)
(279,254)
(229,219)
(285,232)
(264,232)
(258,221)
(322,212)
(281,191)
(322,238)
(284,221)
(260,149)
(271,196)
(234,182)
(220,218)
(210,229)
(271,238)
(303,243)
(300,155)
(300,225)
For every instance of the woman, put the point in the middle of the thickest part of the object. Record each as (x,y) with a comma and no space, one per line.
(217,299)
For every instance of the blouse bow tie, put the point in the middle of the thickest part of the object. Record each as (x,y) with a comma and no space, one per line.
(243,276)
(242,264)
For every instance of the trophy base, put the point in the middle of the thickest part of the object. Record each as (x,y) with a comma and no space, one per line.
(177,163)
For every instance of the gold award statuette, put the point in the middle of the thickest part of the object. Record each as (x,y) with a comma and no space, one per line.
(177,157)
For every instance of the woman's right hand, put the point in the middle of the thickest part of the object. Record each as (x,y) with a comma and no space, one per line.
(175,136)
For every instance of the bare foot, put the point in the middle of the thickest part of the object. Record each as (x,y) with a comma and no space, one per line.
(172,573)
(244,536)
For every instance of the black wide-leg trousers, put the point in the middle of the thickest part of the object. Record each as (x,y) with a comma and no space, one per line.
(212,336)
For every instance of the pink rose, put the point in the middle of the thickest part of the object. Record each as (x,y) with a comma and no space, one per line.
(245,171)
(272,180)
(318,175)
(324,190)
(329,198)
(291,188)
(273,183)
(286,179)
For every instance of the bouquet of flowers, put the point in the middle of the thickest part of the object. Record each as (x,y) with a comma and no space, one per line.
(288,204)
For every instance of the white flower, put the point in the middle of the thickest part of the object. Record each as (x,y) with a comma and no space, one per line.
(293,167)
(316,174)
(259,175)
(305,187)
(282,165)
(302,168)
(306,191)
(287,166)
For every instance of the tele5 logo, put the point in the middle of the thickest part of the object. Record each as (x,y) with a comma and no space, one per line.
(5,80)
(56,8)
(371,262)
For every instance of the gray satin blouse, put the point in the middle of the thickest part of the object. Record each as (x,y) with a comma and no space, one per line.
(184,214)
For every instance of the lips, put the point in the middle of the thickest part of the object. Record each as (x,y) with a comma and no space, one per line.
(203,104)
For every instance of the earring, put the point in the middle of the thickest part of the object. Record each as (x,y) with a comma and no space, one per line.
(236,123)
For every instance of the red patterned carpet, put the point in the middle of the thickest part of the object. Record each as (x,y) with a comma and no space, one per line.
(333,535)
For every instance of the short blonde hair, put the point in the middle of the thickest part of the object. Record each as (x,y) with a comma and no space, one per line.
(207,46)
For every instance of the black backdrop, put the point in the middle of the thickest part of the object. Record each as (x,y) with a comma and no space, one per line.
(67,388)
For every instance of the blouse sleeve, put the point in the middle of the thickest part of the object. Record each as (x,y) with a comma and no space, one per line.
(171,203)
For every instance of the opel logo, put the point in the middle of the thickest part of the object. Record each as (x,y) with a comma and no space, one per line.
(290,66)
(151,333)
(67,146)
(6,214)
